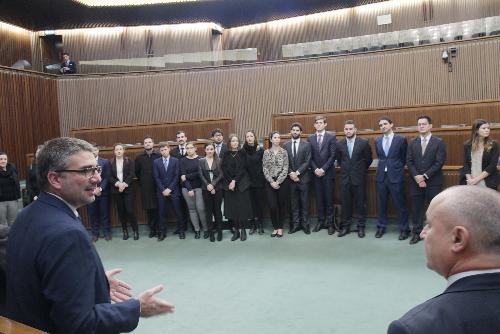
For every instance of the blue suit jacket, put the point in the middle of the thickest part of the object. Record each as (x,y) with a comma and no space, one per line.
(470,305)
(395,161)
(167,178)
(55,278)
(104,163)
(324,157)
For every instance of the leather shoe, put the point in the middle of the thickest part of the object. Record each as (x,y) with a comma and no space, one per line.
(416,238)
(403,235)
(197,234)
(243,235)
(306,229)
(206,234)
(331,229)
(294,229)
(136,235)
(161,236)
(318,227)
(361,232)
(152,234)
(219,235)
(343,232)
(182,235)
(236,235)
(380,232)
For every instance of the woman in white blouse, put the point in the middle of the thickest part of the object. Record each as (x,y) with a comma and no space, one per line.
(275,167)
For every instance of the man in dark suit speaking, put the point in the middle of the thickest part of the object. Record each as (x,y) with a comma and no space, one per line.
(55,278)
(462,244)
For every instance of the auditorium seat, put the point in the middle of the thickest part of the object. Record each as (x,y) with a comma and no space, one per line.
(478,34)
(358,50)
(495,32)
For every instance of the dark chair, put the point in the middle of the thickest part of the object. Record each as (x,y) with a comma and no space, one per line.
(495,32)
(374,48)
(358,50)
(424,41)
(390,46)
(478,34)
(406,44)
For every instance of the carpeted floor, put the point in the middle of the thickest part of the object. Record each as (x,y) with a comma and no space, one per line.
(295,285)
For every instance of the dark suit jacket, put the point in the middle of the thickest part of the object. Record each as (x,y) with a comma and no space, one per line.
(176,153)
(489,164)
(71,65)
(31,182)
(104,163)
(144,173)
(55,278)
(205,176)
(324,157)
(167,178)
(223,149)
(354,169)
(395,161)
(471,305)
(430,164)
(128,175)
(301,162)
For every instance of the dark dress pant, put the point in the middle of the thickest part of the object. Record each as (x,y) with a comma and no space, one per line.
(299,200)
(213,210)
(353,204)
(324,199)
(125,207)
(396,190)
(99,215)
(278,204)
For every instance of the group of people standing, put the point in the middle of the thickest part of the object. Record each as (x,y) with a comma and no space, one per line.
(242,177)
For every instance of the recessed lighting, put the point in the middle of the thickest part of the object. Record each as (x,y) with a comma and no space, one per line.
(121,3)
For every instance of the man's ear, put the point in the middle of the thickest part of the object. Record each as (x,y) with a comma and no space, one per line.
(461,239)
(54,179)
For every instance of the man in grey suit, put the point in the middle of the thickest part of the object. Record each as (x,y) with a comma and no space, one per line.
(354,155)
(462,244)
(299,158)
(425,159)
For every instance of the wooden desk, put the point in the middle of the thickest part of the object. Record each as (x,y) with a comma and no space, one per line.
(8,326)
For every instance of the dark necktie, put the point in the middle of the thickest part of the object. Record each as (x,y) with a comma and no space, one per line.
(294,148)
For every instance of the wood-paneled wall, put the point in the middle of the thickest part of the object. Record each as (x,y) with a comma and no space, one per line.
(132,134)
(251,94)
(15,44)
(29,113)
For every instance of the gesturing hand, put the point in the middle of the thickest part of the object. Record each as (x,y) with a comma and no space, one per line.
(119,291)
(151,305)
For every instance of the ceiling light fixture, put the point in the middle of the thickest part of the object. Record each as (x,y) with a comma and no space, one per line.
(121,3)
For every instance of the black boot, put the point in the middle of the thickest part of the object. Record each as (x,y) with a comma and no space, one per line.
(212,236)
(243,234)
(253,227)
(236,235)
(219,235)
(136,235)
(125,234)
(260,227)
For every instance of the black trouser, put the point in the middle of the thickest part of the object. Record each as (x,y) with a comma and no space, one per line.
(125,207)
(299,199)
(152,217)
(278,204)
(257,201)
(353,197)
(419,196)
(213,209)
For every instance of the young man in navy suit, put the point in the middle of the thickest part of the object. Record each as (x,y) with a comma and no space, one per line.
(462,244)
(166,174)
(99,209)
(425,159)
(323,145)
(391,152)
(55,278)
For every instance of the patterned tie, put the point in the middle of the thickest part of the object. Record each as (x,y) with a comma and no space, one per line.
(424,145)
(165,163)
(320,140)
(386,145)
(349,148)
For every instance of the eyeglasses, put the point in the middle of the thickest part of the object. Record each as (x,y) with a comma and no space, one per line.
(89,172)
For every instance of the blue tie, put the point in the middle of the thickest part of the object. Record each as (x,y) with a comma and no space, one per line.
(349,148)
(386,145)
(165,163)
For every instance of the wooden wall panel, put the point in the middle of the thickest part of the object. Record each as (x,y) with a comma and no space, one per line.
(29,113)
(15,44)
(132,134)
(251,94)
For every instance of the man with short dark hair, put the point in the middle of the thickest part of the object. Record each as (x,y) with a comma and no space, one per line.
(180,150)
(218,139)
(144,174)
(425,159)
(389,177)
(55,278)
(67,66)
(299,158)
(354,155)
(462,244)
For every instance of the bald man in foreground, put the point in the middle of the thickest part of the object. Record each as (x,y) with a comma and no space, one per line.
(462,244)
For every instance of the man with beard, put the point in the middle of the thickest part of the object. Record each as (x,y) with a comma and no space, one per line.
(144,174)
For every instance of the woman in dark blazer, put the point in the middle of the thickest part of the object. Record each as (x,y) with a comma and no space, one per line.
(237,207)
(31,178)
(481,156)
(120,179)
(211,179)
(257,181)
